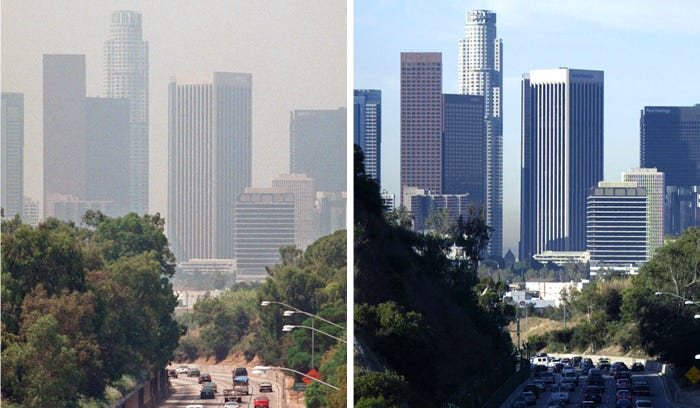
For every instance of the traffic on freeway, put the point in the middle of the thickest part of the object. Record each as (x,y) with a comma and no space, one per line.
(581,382)
(193,387)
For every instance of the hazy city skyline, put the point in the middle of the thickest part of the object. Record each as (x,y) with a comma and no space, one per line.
(308,39)
(649,59)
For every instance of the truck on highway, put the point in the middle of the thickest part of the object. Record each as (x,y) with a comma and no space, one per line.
(232,395)
(559,395)
(240,384)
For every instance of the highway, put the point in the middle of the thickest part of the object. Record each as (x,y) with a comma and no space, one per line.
(185,390)
(657,396)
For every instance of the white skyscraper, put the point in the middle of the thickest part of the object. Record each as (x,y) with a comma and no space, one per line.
(209,161)
(481,73)
(653,182)
(12,136)
(126,76)
(305,223)
(562,157)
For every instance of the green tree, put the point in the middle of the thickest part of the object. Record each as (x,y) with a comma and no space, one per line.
(438,221)
(400,217)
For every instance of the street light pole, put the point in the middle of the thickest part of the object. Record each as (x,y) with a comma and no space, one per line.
(296,310)
(290,327)
(685,301)
(263,369)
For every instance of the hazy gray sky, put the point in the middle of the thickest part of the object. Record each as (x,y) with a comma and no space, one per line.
(296,51)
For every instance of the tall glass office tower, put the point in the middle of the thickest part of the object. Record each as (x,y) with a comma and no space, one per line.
(12,136)
(209,161)
(126,76)
(562,157)
(368,129)
(481,73)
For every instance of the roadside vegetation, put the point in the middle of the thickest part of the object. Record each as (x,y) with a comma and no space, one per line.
(424,335)
(86,312)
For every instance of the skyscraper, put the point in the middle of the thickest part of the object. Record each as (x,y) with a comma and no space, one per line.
(107,151)
(209,161)
(464,147)
(126,76)
(616,224)
(562,157)
(12,135)
(64,128)
(304,200)
(421,121)
(264,223)
(318,147)
(652,181)
(368,129)
(481,73)
(670,142)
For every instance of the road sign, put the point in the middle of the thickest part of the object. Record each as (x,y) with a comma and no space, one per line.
(299,386)
(693,375)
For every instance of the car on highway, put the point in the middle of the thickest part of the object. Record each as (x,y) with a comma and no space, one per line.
(593,393)
(548,378)
(172,373)
(518,404)
(531,387)
(642,403)
(587,404)
(204,377)
(194,372)
(195,406)
(637,366)
(261,402)
(623,403)
(623,394)
(529,397)
(232,404)
(640,387)
(571,375)
(207,393)
(211,385)
(622,384)
(265,386)
(239,372)
(541,386)
(183,369)
(577,360)
(567,385)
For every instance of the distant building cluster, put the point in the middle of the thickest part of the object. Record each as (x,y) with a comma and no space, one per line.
(96,157)
(451,157)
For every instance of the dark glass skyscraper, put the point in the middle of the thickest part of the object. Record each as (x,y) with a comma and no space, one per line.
(318,147)
(464,147)
(368,129)
(562,157)
(670,141)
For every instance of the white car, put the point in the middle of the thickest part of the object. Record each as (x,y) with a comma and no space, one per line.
(183,369)
(640,403)
(195,406)
(232,404)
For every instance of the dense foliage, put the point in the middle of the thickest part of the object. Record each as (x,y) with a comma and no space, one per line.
(416,311)
(82,308)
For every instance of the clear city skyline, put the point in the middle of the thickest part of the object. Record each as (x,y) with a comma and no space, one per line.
(308,39)
(650,54)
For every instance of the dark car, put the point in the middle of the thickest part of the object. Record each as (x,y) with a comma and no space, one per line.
(528,397)
(533,388)
(623,403)
(172,373)
(577,360)
(622,384)
(194,372)
(239,372)
(623,394)
(518,404)
(204,377)
(593,393)
(637,367)
(207,393)
(587,404)
(603,365)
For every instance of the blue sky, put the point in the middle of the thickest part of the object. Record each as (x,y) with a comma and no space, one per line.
(649,51)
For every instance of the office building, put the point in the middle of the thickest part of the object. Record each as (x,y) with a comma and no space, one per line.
(368,129)
(332,209)
(305,220)
(423,204)
(12,135)
(126,76)
(481,73)
(64,128)
(464,147)
(652,181)
(617,224)
(421,121)
(30,213)
(209,161)
(388,201)
(562,157)
(264,223)
(318,147)
(107,152)
(670,142)
(68,207)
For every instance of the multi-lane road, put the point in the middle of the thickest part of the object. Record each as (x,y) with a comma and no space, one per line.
(185,391)
(657,395)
